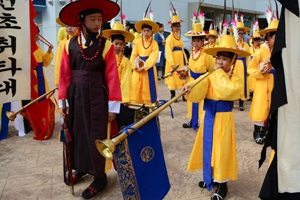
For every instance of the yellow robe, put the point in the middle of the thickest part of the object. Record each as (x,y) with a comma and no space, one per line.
(251,79)
(261,100)
(239,69)
(125,75)
(62,34)
(218,86)
(203,64)
(140,87)
(45,58)
(174,58)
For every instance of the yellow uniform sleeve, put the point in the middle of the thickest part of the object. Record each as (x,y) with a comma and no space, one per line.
(125,74)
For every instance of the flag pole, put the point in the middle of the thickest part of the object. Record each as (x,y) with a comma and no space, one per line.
(12,115)
(107,147)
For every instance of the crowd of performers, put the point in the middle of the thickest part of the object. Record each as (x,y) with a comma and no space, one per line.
(99,83)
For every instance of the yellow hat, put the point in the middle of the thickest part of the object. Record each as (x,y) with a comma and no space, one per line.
(59,22)
(256,35)
(272,27)
(227,44)
(118,29)
(196,31)
(212,32)
(146,21)
(175,19)
(240,26)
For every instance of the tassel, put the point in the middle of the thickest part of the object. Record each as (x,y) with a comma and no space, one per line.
(236,17)
(211,26)
(255,27)
(235,31)
(202,19)
(225,26)
(242,18)
(151,15)
(194,18)
(123,17)
(112,22)
(269,16)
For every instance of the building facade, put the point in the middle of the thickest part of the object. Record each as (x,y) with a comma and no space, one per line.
(48,11)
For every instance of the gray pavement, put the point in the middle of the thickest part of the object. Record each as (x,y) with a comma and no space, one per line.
(31,169)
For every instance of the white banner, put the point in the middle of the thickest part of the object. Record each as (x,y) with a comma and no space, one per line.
(14,50)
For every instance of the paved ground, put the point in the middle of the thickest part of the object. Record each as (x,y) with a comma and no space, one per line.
(31,169)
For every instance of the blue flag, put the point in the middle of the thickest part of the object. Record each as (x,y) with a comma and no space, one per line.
(140,164)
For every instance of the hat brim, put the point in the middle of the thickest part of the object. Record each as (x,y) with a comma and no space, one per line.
(139,24)
(59,22)
(175,22)
(192,34)
(109,32)
(246,29)
(70,13)
(214,35)
(267,30)
(214,50)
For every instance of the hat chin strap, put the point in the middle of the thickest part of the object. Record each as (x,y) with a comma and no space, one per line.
(91,35)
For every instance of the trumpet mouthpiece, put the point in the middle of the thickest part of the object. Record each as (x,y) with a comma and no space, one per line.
(11,115)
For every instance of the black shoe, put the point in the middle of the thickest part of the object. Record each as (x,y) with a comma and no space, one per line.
(187,125)
(241,105)
(220,192)
(77,175)
(259,134)
(95,188)
(202,184)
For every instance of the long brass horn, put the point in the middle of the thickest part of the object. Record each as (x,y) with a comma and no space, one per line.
(12,115)
(107,147)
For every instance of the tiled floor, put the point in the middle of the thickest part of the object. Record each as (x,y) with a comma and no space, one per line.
(31,169)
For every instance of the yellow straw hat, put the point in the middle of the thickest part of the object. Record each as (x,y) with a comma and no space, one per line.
(213,33)
(256,35)
(175,19)
(196,31)
(273,27)
(146,21)
(59,22)
(227,44)
(118,29)
(240,26)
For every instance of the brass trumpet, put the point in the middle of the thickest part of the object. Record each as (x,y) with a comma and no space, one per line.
(107,147)
(152,106)
(12,115)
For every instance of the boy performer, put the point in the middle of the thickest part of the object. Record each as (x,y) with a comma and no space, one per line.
(143,59)
(175,55)
(119,37)
(241,31)
(199,64)
(261,69)
(216,139)
(89,82)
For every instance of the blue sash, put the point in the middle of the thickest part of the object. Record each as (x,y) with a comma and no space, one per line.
(211,107)
(195,106)
(151,79)
(4,120)
(180,49)
(245,76)
(273,71)
(41,79)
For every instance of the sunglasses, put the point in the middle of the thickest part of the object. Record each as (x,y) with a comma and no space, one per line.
(241,33)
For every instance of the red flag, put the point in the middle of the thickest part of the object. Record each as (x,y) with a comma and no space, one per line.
(33,45)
